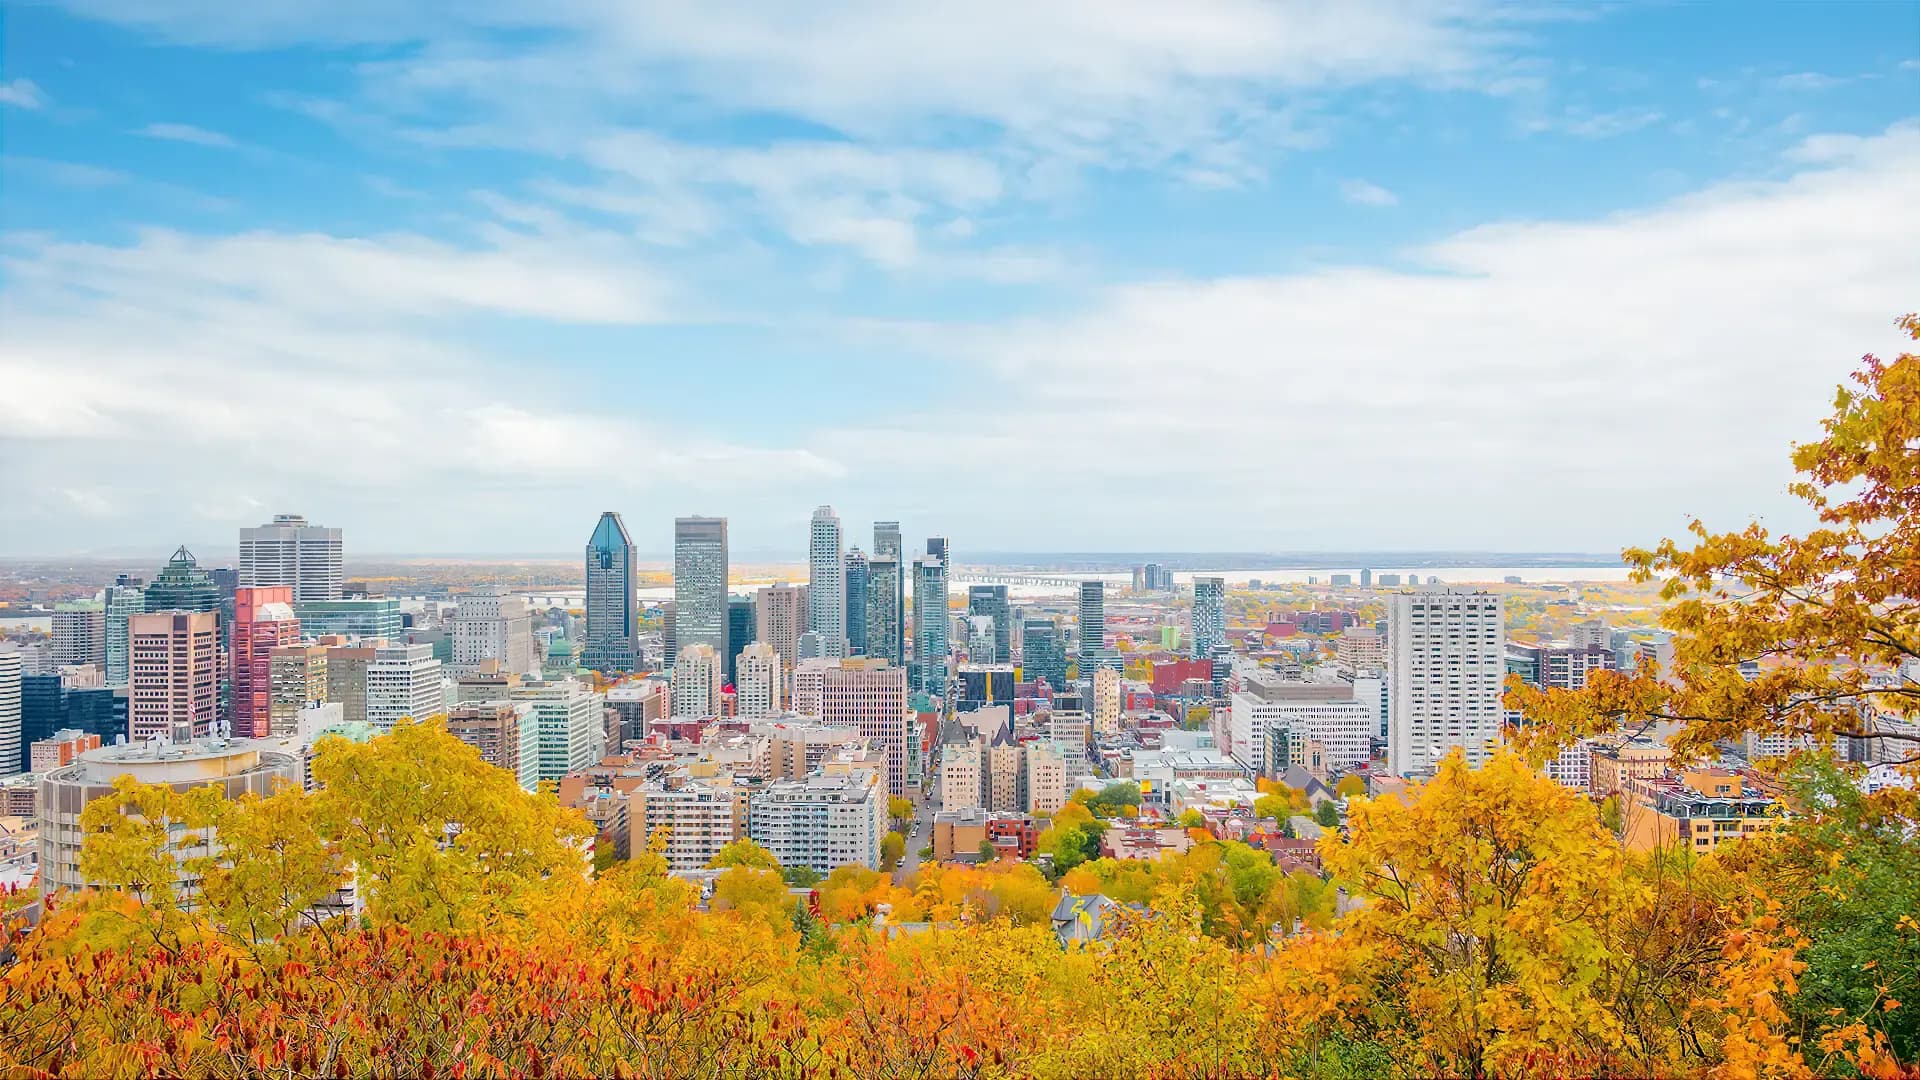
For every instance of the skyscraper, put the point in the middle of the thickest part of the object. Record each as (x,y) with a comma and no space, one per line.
(740,631)
(872,696)
(80,632)
(757,688)
(403,682)
(1447,660)
(1042,654)
(700,584)
(826,582)
(696,686)
(611,623)
(887,547)
(780,614)
(289,551)
(1209,616)
(991,601)
(173,675)
(182,585)
(126,596)
(1093,626)
(884,609)
(11,673)
(263,621)
(856,584)
(930,625)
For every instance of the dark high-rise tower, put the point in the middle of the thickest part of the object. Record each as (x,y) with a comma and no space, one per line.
(856,583)
(991,601)
(890,617)
(700,584)
(611,620)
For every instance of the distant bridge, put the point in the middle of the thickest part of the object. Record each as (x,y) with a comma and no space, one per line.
(1042,580)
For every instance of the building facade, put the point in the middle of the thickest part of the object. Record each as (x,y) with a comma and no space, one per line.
(826,582)
(263,621)
(856,576)
(991,601)
(700,586)
(1093,627)
(612,623)
(870,696)
(697,686)
(758,686)
(369,618)
(1447,663)
(80,633)
(821,822)
(493,626)
(930,624)
(173,675)
(288,550)
(125,597)
(1209,616)
(403,682)
(780,613)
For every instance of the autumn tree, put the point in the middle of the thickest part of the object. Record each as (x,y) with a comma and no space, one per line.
(743,852)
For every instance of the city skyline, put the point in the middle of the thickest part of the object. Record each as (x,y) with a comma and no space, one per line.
(491,253)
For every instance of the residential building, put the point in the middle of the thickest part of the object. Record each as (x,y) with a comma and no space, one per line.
(930,626)
(1047,783)
(567,720)
(289,551)
(347,667)
(780,613)
(126,596)
(799,749)
(80,633)
(1070,730)
(1446,657)
(1698,810)
(700,570)
(1590,634)
(12,709)
(826,583)
(1209,616)
(296,679)
(233,767)
(963,774)
(856,578)
(1343,727)
(173,674)
(263,621)
(1617,763)
(494,626)
(757,687)
(366,618)
(1106,701)
(403,682)
(60,748)
(870,695)
(991,601)
(697,681)
(505,732)
(612,625)
(821,822)
(1093,627)
(699,818)
(1042,653)
(1359,651)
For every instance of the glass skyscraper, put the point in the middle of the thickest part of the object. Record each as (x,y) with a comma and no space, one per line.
(826,583)
(1093,627)
(182,586)
(856,577)
(741,632)
(125,597)
(700,585)
(887,550)
(1042,654)
(611,620)
(991,601)
(1209,616)
(930,621)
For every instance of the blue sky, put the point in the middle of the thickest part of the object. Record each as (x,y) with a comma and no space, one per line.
(1209,276)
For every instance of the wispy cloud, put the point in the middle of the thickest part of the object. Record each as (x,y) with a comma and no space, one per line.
(1587,124)
(1366,193)
(71,174)
(22,94)
(1811,80)
(187,133)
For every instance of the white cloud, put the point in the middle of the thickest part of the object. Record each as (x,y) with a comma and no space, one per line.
(1588,124)
(22,94)
(1810,81)
(187,133)
(1365,193)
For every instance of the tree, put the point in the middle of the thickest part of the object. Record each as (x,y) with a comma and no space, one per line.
(1820,612)
(988,852)
(1327,814)
(893,847)
(745,853)
(1192,819)
(800,877)
(900,811)
(1350,787)
(1197,718)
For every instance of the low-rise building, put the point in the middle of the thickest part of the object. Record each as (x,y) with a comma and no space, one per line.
(822,822)
(1698,810)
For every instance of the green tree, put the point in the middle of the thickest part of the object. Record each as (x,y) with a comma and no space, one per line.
(988,852)
(1327,814)
(900,811)
(893,847)
(1271,806)
(1192,819)
(800,877)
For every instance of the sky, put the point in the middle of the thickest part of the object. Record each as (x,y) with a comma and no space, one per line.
(1219,275)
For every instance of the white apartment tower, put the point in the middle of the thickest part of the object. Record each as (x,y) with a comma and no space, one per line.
(11,671)
(289,551)
(493,626)
(1447,661)
(403,681)
(757,682)
(567,717)
(826,583)
(698,680)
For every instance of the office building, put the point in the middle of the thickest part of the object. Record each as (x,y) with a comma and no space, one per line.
(930,626)
(1359,652)
(757,689)
(1558,665)
(1043,655)
(403,682)
(821,822)
(991,601)
(1093,627)
(1447,663)
(182,585)
(80,633)
(826,582)
(697,686)
(856,578)
(289,551)
(263,621)
(233,767)
(571,734)
(1342,727)
(126,596)
(700,587)
(296,680)
(368,618)
(495,627)
(887,595)
(780,612)
(870,696)
(173,674)
(12,710)
(982,685)
(612,624)
(741,631)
